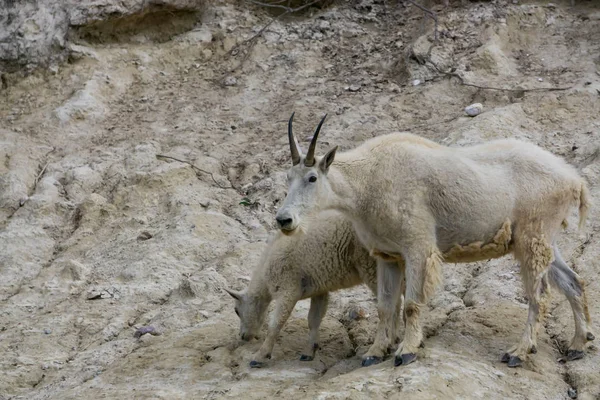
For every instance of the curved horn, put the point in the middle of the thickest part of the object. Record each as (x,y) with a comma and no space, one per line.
(309,161)
(293,144)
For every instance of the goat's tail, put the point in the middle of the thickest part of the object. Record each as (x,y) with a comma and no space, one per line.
(584,203)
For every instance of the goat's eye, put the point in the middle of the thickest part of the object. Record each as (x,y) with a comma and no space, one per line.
(312,179)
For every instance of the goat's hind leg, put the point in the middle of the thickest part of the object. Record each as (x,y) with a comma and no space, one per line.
(572,286)
(388,293)
(534,255)
(318,308)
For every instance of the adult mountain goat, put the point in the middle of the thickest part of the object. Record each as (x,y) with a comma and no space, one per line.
(412,199)
(327,258)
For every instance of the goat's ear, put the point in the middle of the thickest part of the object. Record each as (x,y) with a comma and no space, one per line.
(234,294)
(327,160)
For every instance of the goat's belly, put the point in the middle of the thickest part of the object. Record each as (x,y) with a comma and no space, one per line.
(498,245)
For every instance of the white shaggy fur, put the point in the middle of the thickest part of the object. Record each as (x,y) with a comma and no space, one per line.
(327,257)
(414,200)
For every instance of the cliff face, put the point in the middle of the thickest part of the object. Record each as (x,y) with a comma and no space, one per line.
(35,33)
(101,235)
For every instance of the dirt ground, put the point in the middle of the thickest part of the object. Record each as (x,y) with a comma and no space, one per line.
(99,236)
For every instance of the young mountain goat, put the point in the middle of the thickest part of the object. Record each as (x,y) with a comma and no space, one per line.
(412,199)
(327,257)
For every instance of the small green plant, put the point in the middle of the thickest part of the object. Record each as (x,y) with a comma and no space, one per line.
(247,202)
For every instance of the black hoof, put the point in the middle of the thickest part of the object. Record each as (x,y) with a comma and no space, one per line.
(533,350)
(590,336)
(405,359)
(304,357)
(573,355)
(505,358)
(514,362)
(367,362)
(256,364)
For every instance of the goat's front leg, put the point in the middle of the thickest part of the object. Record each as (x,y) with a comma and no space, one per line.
(423,274)
(388,293)
(283,309)
(318,307)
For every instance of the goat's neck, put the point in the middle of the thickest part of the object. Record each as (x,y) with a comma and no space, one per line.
(258,289)
(345,193)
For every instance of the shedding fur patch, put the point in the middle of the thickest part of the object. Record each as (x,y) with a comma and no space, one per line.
(541,255)
(386,256)
(433,274)
(584,301)
(479,251)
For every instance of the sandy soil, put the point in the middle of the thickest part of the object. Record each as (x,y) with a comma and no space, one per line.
(99,237)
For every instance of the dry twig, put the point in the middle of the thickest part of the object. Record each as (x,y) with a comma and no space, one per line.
(548,89)
(37,178)
(431,15)
(159,156)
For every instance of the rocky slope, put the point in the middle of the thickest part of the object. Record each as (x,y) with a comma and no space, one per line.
(100,235)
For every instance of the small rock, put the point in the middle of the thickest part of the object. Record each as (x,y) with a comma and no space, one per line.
(572,393)
(94,294)
(416,82)
(353,88)
(323,25)
(230,81)
(145,329)
(540,80)
(394,88)
(145,235)
(357,313)
(474,109)
(47,331)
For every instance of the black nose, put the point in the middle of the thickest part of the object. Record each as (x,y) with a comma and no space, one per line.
(283,222)
(245,337)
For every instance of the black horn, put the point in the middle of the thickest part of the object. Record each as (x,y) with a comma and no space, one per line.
(293,143)
(309,161)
